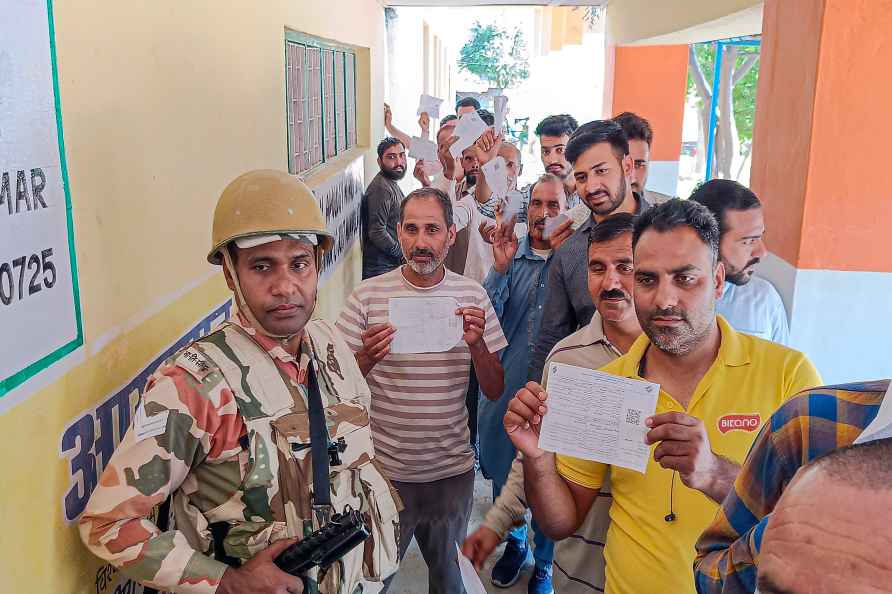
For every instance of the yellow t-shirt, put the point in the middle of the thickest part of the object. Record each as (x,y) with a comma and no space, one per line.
(748,381)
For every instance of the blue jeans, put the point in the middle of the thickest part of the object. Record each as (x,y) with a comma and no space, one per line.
(543,547)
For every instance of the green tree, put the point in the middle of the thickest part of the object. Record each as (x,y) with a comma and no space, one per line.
(740,73)
(495,56)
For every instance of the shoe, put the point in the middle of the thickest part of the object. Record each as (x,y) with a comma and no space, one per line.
(540,582)
(506,571)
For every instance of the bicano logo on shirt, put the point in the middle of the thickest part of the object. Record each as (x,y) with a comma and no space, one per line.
(739,422)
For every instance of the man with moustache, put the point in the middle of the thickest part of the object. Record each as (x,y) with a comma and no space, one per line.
(418,414)
(379,211)
(578,560)
(516,286)
(717,386)
(749,303)
(599,153)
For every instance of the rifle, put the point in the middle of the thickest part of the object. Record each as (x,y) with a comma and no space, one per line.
(325,546)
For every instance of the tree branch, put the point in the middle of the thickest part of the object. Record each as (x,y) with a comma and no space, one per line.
(697,75)
(744,68)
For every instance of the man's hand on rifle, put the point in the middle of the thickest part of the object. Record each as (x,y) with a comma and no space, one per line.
(260,575)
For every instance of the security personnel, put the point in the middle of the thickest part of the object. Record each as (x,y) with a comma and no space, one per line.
(223,428)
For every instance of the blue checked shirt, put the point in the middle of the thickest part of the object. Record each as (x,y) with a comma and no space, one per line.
(809,425)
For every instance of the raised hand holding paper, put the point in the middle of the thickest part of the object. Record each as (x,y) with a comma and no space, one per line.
(429,105)
(496,174)
(598,416)
(424,324)
(512,205)
(425,150)
(551,223)
(469,128)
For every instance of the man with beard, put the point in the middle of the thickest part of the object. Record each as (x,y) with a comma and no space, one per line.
(516,287)
(749,303)
(418,414)
(579,559)
(641,138)
(599,153)
(380,211)
(716,388)
(554,131)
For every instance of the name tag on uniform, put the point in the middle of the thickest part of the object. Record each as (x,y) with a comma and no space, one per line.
(195,363)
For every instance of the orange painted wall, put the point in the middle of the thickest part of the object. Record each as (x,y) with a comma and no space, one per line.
(791,33)
(848,212)
(651,81)
(821,133)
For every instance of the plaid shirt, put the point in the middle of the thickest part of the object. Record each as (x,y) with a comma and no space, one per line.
(809,425)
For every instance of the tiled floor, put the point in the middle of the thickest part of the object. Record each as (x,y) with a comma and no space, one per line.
(412,576)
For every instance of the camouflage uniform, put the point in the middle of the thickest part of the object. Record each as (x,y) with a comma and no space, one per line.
(224,430)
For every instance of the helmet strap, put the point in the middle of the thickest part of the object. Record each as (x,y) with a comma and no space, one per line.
(243,306)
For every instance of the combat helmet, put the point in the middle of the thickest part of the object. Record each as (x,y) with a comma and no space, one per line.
(266,202)
(261,206)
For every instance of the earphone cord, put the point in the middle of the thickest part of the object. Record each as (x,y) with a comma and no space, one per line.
(670,517)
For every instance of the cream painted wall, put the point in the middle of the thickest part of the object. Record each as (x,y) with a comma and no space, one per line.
(162,106)
(631,21)
(163,103)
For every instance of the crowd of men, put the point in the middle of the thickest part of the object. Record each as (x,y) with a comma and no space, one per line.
(757,477)
(637,284)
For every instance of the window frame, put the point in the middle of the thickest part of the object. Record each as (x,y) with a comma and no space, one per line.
(340,121)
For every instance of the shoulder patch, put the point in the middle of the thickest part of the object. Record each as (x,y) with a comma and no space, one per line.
(194,362)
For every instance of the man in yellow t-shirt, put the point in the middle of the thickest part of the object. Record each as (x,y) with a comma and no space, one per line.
(717,388)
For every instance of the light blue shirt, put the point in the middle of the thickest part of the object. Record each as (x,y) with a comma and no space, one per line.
(518,297)
(755,308)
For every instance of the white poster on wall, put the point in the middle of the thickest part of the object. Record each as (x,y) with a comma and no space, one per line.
(39,306)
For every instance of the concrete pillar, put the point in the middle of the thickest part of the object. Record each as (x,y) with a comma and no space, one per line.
(820,141)
(652,81)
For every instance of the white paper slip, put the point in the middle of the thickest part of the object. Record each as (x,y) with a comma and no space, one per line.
(429,105)
(424,324)
(881,426)
(496,174)
(500,105)
(597,416)
(469,576)
(468,129)
(512,205)
(551,223)
(423,149)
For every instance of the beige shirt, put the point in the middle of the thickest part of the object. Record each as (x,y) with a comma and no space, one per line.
(578,559)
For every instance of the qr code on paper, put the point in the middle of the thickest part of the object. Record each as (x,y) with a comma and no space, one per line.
(633,416)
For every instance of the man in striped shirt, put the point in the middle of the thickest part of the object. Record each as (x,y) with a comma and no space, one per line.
(418,415)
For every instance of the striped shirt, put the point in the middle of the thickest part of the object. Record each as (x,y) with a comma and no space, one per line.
(418,414)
